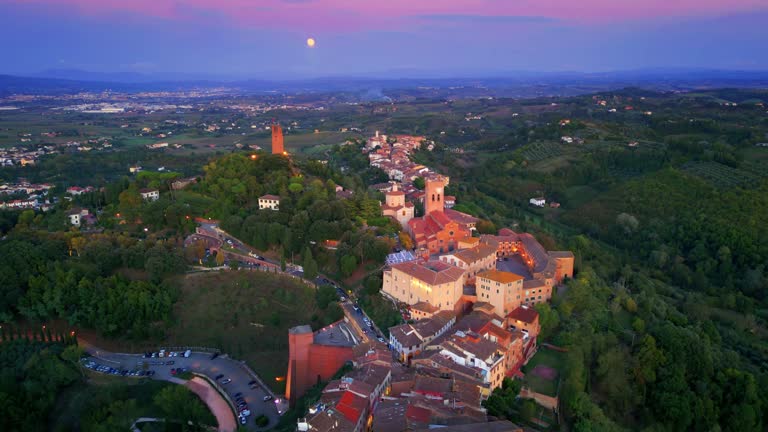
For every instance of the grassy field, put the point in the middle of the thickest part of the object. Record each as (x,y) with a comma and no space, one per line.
(544,357)
(77,402)
(246,314)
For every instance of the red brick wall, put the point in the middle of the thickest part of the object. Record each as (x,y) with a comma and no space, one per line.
(307,361)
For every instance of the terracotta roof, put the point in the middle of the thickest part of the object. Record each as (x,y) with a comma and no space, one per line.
(460,217)
(431,385)
(433,272)
(472,240)
(413,334)
(147,190)
(390,416)
(352,406)
(269,197)
(535,251)
(418,414)
(524,314)
(533,284)
(507,232)
(476,253)
(500,276)
(331,421)
(425,307)
(481,347)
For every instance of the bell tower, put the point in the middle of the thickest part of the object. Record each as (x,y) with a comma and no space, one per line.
(433,195)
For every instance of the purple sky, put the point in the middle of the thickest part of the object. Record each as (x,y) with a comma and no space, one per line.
(266,38)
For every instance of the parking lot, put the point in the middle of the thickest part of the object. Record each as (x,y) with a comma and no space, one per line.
(220,369)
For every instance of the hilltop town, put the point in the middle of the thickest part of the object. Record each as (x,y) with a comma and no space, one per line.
(473,324)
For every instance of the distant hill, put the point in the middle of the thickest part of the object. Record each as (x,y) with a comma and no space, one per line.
(512,84)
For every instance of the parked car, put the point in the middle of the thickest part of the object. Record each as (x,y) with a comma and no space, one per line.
(170,362)
(214,355)
(219,376)
(226,381)
(187,353)
(267,398)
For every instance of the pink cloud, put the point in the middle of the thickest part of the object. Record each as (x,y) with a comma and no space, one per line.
(341,15)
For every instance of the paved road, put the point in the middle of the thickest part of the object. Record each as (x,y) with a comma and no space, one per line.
(200,363)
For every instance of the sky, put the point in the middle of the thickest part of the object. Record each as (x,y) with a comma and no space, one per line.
(266,39)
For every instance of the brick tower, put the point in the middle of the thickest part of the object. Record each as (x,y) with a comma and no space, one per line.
(277,139)
(433,195)
(299,343)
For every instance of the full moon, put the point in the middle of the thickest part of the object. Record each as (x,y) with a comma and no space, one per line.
(310,42)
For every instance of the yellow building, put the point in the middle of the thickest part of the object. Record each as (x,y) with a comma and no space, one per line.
(437,283)
(503,290)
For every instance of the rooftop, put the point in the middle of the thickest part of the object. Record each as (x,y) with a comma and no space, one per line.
(269,197)
(432,272)
(500,276)
(476,253)
(524,314)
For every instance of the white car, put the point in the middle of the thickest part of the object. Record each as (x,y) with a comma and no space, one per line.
(226,381)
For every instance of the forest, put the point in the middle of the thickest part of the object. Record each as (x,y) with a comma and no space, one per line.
(665,322)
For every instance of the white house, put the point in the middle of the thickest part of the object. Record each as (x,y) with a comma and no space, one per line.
(150,194)
(538,202)
(76,215)
(271,202)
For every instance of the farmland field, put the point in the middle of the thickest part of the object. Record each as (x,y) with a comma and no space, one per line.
(721,175)
(541,150)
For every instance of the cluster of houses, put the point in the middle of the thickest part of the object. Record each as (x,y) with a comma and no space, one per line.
(471,300)
(29,154)
(34,196)
(473,326)
(391,154)
(384,395)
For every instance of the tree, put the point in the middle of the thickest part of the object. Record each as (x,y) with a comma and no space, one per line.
(527,409)
(219,258)
(405,240)
(180,405)
(549,319)
(419,183)
(78,244)
(309,264)
(348,265)
(325,295)
(73,354)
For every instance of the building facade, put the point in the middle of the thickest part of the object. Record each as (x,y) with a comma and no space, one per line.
(269,202)
(503,290)
(396,207)
(150,194)
(434,282)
